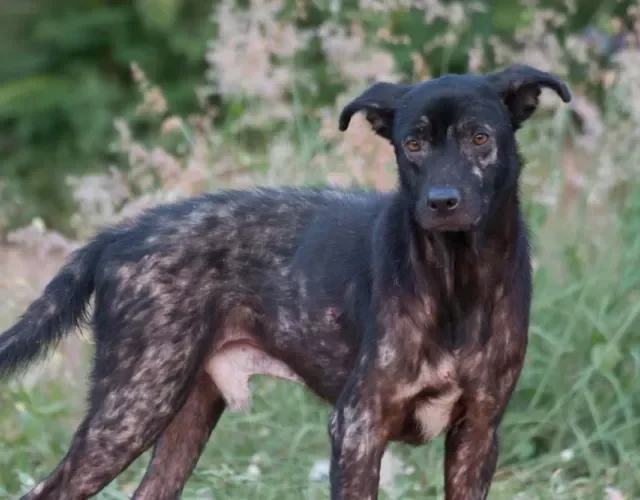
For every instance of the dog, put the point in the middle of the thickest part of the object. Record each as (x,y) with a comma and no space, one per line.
(407,311)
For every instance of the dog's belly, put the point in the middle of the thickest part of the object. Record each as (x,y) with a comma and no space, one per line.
(232,367)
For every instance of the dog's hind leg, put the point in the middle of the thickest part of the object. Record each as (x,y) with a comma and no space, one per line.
(138,389)
(181,444)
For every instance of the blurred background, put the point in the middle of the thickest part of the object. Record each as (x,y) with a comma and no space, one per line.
(110,106)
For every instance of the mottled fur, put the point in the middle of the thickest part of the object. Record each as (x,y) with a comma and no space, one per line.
(407,311)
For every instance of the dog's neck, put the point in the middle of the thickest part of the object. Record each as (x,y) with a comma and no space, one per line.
(499,235)
(495,238)
(474,259)
(459,275)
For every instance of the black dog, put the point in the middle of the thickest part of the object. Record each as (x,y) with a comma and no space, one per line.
(407,311)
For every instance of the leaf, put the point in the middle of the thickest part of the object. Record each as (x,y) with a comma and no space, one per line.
(605,357)
(30,94)
(159,14)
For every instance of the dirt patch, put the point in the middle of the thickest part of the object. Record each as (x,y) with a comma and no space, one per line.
(24,272)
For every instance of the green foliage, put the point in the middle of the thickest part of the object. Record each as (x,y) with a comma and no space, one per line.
(64,71)
(64,77)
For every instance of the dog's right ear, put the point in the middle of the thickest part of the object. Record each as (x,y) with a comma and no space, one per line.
(520,86)
(379,103)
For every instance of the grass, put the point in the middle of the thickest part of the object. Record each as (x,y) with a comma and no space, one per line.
(572,429)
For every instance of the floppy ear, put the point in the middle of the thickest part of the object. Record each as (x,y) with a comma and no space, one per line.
(379,103)
(520,86)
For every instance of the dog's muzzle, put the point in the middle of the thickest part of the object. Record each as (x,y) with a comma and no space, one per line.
(445,209)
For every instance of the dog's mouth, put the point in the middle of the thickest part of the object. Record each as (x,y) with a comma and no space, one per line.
(451,228)
(451,225)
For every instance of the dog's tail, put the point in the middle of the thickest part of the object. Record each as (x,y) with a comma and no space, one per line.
(59,309)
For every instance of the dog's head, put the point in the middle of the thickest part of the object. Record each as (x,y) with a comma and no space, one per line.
(454,139)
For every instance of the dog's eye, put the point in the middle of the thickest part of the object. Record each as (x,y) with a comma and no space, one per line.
(413,145)
(480,139)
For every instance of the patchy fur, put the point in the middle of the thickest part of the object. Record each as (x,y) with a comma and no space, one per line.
(406,311)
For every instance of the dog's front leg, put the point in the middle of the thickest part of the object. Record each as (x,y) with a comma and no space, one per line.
(358,441)
(471,453)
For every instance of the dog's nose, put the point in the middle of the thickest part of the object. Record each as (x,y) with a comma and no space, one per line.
(443,200)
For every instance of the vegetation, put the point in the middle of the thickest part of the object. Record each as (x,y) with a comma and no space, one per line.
(65,72)
(109,107)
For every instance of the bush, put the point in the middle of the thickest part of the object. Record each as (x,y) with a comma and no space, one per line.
(66,70)
(65,75)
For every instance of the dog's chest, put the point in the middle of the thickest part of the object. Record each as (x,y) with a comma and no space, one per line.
(434,414)
(432,400)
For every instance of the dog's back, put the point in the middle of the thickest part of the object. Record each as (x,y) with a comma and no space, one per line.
(230,250)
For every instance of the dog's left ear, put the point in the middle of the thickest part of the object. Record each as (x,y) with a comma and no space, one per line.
(520,86)
(379,102)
